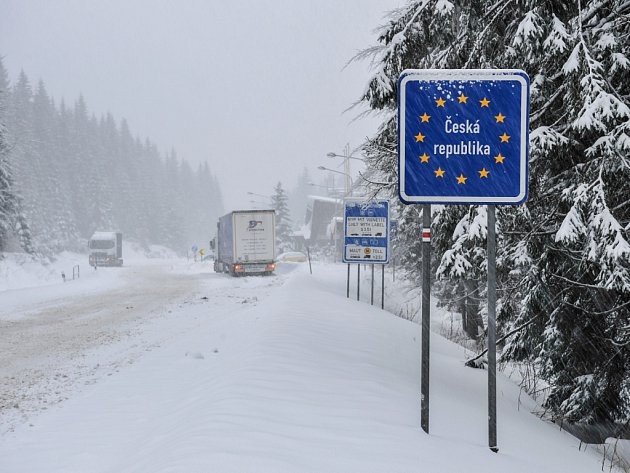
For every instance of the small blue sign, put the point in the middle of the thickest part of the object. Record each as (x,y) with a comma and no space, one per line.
(463,136)
(366,231)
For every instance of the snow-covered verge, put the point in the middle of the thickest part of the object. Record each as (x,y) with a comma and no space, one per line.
(285,374)
(20,270)
(404,299)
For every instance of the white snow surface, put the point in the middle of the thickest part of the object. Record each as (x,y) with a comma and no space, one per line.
(169,367)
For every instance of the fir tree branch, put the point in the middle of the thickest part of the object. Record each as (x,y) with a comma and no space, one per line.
(590,286)
(471,362)
(605,312)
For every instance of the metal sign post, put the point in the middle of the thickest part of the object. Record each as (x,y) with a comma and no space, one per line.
(463,139)
(492,332)
(372,287)
(348,283)
(426,315)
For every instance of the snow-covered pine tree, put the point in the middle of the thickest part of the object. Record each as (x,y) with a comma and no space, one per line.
(280,203)
(7,198)
(21,140)
(580,145)
(464,261)
(564,257)
(41,200)
(13,224)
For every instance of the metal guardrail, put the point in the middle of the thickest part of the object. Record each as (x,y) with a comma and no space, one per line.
(76,273)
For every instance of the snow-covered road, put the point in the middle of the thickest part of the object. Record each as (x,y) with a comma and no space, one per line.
(57,338)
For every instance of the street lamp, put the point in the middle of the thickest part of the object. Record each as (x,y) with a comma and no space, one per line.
(346,162)
(335,155)
(348,176)
(331,191)
(259,195)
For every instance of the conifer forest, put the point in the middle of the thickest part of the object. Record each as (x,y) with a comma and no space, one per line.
(65,173)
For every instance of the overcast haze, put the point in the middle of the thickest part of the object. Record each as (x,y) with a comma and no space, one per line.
(256,88)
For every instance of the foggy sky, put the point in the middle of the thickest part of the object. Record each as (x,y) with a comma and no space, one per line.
(255,88)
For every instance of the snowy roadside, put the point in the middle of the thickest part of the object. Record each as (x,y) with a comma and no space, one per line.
(404,300)
(303,380)
(58,338)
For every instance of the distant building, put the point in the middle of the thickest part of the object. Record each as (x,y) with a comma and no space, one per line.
(320,212)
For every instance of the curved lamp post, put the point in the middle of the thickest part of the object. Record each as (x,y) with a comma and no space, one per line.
(348,176)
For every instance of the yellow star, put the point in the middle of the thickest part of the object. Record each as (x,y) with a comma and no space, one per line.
(424,158)
(425,118)
(462,98)
(461,179)
(485,102)
(440,102)
(499,118)
(420,137)
(505,138)
(498,159)
(484,173)
(439,173)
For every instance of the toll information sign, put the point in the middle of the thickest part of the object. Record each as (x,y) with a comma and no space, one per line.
(463,136)
(366,231)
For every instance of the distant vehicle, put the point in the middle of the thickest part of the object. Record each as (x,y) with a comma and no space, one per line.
(105,249)
(292,257)
(246,242)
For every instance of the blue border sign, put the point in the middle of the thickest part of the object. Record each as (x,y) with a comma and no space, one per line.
(463,136)
(366,231)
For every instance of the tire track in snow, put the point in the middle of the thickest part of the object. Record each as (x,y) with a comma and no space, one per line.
(53,348)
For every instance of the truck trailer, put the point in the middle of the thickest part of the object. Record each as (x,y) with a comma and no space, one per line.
(246,242)
(105,249)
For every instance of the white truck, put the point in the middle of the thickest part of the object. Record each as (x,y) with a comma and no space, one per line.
(105,249)
(246,242)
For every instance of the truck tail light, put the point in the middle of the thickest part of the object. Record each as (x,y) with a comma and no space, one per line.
(271,266)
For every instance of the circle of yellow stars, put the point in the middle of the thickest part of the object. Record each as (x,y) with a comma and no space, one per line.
(462,99)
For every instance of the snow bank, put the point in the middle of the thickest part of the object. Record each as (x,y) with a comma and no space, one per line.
(20,270)
(300,380)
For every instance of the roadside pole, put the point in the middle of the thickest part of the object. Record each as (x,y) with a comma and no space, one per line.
(358,281)
(310,267)
(372,287)
(492,331)
(348,283)
(383,286)
(426,315)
